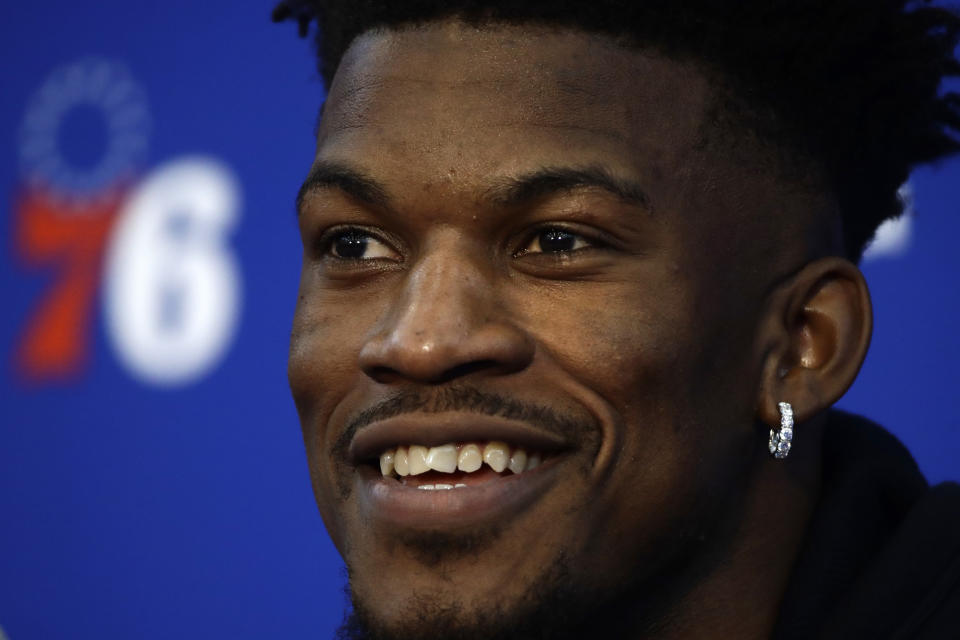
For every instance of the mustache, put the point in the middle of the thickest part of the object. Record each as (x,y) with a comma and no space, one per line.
(572,425)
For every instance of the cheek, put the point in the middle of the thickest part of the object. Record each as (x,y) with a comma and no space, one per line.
(616,338)
(640,350)
(326,336)
(328,331)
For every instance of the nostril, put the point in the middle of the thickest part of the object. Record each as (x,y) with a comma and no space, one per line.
(383,375)
(446,352)
(386,375)
(465,369)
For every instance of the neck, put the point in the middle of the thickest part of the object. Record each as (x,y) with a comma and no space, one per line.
(738,592)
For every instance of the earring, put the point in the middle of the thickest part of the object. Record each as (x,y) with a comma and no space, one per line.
(782,439)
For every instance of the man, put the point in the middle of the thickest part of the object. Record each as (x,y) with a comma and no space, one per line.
(573,274)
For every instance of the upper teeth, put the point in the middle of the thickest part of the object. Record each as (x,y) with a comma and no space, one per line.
(447,458)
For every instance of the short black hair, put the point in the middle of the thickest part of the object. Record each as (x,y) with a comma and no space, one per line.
(853,85)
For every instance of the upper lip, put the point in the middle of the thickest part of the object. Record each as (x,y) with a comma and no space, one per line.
(435,429)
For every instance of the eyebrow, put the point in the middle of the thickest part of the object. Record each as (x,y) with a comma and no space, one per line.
(509,192)
(347,179)
(552,180)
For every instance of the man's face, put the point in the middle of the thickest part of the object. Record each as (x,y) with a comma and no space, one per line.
(519,235)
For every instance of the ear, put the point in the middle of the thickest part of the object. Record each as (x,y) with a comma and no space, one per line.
(815,334)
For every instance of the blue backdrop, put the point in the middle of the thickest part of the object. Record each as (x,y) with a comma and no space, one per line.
(152,476)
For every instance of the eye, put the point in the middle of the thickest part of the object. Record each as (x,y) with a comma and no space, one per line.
(556,240)
(357,244)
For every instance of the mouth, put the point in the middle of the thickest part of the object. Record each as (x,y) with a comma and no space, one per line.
(448,471)
(455,465)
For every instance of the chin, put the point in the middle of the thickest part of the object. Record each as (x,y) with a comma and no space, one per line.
(552,605)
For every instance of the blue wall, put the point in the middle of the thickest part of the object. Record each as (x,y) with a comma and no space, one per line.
(152,476)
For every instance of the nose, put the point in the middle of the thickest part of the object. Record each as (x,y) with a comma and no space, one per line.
(445,323)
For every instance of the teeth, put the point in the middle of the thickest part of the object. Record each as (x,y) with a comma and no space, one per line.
(436,487)
(443,458)
(401,462)
(533,462)
(386,462)
(496,454)
(418,460)
(470,458)
(518,461)
(448,458)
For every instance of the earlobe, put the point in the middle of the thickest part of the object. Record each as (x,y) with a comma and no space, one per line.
(818,329)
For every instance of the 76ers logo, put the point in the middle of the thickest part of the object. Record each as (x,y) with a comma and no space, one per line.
(157,244)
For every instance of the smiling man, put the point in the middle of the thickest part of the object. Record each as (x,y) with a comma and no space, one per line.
(578,293)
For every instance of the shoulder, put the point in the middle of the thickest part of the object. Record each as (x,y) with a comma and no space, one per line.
(882,556)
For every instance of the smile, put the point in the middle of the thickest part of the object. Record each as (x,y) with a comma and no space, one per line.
(450,463)
(466,469)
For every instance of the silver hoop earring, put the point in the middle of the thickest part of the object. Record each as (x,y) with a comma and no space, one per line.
(782,439)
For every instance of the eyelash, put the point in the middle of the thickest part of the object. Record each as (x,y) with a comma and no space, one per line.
(328,240)
(591,242)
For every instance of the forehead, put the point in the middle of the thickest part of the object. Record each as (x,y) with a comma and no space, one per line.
(502,99)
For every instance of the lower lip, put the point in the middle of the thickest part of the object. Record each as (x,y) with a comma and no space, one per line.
(406,507)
